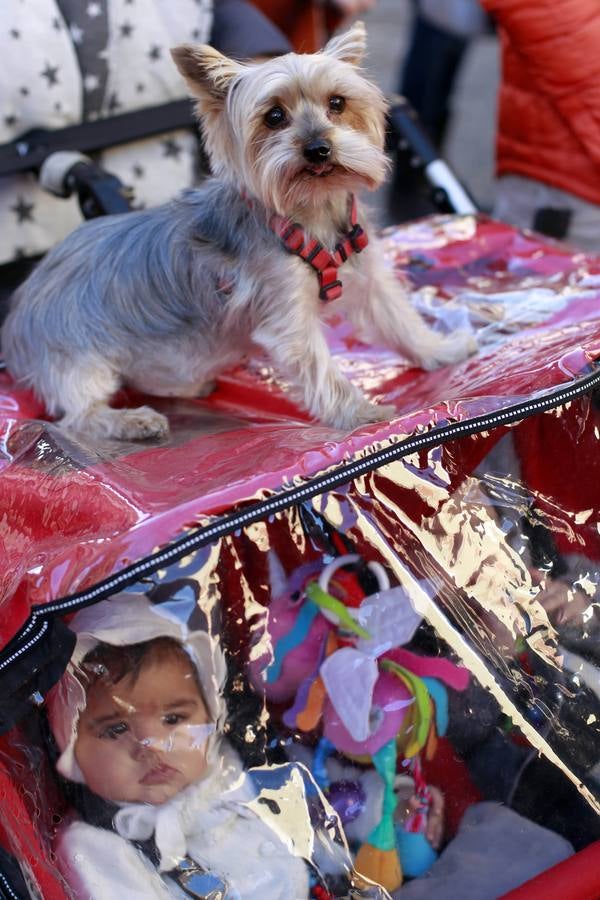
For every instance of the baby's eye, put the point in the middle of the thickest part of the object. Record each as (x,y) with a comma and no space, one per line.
(174,718)
(337,104)
(114,731)
(275,117)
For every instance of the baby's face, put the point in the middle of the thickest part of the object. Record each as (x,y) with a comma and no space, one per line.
(144,740)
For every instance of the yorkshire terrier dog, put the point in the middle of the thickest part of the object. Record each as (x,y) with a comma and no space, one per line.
(165,299)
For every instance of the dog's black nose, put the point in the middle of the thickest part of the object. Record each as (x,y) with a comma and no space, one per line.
(317,151)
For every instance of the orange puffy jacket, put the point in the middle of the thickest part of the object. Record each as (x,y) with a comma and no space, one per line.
(549,115)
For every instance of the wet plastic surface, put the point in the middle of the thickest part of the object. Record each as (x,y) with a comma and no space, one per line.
(396,676)
(411,650)
(73,513)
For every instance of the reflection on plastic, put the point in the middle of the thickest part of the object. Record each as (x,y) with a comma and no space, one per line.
(73,513)
(326,695)
(482,558)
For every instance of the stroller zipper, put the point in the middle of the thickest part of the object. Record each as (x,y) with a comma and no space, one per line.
(36,625)
(6,890)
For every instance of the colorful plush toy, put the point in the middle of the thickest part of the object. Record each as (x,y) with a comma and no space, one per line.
(337,655)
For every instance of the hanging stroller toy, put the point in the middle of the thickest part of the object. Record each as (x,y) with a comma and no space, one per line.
(338,652)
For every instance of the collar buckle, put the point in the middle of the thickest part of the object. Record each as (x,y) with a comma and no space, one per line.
(358,238)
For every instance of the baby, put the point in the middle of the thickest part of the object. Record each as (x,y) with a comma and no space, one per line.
(139,718)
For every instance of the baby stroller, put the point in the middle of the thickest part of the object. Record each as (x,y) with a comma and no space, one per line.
(409,607)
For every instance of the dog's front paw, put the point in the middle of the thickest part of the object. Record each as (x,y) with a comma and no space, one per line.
(378,412)
(103,421)
(206,388)
(137,424)
(365,413)
(451,348)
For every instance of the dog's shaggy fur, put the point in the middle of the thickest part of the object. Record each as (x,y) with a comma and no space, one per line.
(166,299)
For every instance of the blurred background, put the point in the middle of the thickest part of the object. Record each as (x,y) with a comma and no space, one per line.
(469,143)
(73,54)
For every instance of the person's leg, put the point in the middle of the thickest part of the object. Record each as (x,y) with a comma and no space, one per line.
(426,80)
(517,200)
(429,72)
(584,227)
(527,203)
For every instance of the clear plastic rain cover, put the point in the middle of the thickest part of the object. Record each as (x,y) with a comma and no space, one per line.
(378,678)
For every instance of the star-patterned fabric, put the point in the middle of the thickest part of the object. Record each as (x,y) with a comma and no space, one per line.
(67,61)
(88,29)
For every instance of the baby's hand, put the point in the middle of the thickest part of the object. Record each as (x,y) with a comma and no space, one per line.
(434,832)
(435,819)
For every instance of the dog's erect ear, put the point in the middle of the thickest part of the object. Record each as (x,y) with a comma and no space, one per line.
(207,72)
(350,46)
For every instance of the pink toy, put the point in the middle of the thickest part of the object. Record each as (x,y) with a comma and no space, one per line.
(388,710)
(330,647)
(280,672)
(298,627)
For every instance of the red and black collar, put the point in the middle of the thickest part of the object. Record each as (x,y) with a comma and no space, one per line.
(295,240)
(326,264)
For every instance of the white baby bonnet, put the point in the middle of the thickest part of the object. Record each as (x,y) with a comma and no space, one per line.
(131,619)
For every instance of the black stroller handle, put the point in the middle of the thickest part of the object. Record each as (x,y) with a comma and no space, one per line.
(449,194)
(28,152)
(57,156)
(406,127)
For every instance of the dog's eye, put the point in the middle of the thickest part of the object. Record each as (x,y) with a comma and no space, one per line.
(275,117)
(337,104)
